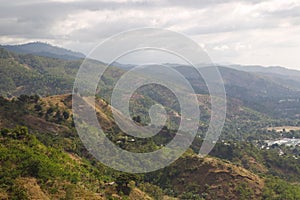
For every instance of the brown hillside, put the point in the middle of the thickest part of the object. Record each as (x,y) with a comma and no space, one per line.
(216,178)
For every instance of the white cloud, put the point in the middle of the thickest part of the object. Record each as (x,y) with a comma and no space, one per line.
(247,32)
(221,48)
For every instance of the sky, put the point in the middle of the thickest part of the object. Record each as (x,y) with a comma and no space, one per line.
(249,32)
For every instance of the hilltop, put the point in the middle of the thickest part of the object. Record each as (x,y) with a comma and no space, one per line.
(44,49)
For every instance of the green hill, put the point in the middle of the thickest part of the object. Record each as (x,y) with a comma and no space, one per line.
(49,161)
(42,156)
(44,49)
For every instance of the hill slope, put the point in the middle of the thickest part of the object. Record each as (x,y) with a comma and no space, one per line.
(44,49)
(52,143)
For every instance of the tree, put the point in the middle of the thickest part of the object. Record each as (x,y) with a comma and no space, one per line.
(66,115)
(137,119)
(24,98)
(21,132)
(58,117)
(50,110)
(38,107)
(123,183)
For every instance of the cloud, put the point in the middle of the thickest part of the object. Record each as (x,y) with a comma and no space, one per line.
(244,27)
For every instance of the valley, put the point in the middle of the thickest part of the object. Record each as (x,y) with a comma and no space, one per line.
(42,156)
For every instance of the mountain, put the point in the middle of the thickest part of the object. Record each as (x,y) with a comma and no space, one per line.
(42,157)
(32,74)
(28,74)
(44,49)
(281,75)
(262,92)
(265,93)
(259,81)
(33,170)
(272,69)
(45,159)
(212,179)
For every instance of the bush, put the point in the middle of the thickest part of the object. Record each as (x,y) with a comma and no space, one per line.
(153,190)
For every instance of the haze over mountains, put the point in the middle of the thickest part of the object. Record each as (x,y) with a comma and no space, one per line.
(44,69)
(44,49)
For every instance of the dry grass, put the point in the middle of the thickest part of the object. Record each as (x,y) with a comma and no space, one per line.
(286,128)
(137,194)
(32,188)
(221,178)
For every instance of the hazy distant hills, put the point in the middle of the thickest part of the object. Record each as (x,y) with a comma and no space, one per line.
(267,90)
(281,75)
(44,49)
(276,95)
(267,70)
(275,91)
(30,74)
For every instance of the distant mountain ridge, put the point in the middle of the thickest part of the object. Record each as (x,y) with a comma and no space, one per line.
(269,69)
(260,91)
(44,49)
(281,75)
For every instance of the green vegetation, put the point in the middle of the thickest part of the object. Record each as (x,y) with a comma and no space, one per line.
(46,158)
(22,155)
(277,189)
(40,149)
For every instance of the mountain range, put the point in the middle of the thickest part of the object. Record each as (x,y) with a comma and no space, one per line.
(25,71)
(42,156)
(44,49)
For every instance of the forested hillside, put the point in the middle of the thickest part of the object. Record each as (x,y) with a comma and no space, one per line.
(42,157)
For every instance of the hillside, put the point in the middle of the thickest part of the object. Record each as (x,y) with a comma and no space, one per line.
(35,171)
(274,70)
(42,156)
(264,93)
(31,74)
(52,141)
(265,90)
(211,178)
(44,49)
(31,170)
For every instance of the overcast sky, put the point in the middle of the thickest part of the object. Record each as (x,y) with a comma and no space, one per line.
(242,32)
